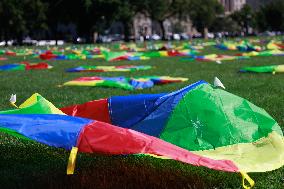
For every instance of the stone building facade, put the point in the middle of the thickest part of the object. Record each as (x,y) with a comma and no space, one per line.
(232,5)
(143,25)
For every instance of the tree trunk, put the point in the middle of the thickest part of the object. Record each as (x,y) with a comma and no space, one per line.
(20,39)
(127,28)
(95,36)
(205,33)
(6,38)
(163,30)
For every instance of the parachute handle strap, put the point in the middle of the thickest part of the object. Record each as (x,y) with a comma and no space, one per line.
(72,161)
(245,177)
(14,105)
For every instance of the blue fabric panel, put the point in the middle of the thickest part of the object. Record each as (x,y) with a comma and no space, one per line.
(120,79)
(61,57)
(126,111)
(133,58)
(155,122)
(8,66)
(78,69)
(51,129)
(146,113)
(141,84)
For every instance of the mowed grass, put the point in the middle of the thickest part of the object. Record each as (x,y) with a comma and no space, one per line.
(27,164)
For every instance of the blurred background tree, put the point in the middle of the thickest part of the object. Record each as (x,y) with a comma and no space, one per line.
(204,13)
(271,16)
(89,18)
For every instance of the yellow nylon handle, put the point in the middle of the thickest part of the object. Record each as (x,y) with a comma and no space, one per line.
(245,177)
(13,104)
(72,161)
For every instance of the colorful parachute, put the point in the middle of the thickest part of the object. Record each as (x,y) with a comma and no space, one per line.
(116,56)
(199,124)
(216,57)
(199,118)
(25,66)
(50,55)
(264,69)
(37,119)
(124,82)
(122,55)
(124,68)
(263,53)
(274,45)
(241,46)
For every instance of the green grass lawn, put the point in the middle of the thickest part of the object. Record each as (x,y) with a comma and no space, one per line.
(27,164)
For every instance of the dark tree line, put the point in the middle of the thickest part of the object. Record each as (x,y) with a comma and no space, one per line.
(38,18)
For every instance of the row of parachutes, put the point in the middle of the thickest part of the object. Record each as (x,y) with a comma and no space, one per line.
(151,50)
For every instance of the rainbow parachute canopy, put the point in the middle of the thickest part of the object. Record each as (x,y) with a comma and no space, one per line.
(124,82)
(25,66)
(274,45)
(264,69)
(199,118)
(124,68)
(122,55)
(244,46)
(216,57)
(199,125)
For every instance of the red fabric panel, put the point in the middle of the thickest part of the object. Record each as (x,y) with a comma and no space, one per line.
(174,53)
(164,81)
(10,53)
(120,58)
(104,138)
(47,55)
(96,110)
(88,78)
(37,66)
(281,46)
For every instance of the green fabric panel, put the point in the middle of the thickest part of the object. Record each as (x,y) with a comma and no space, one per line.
(112,55)
(19,67)
(13,133)
(207,118)
(89,67)
(152,54)
(260,69)
(265,53)
(40,107)
(115,84)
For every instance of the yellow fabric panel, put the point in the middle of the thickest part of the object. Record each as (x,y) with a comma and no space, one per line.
(30,101)
(85,83)
(144,58)
(163,53)
(272,46)
(72,161)
(175,78)
(253,53)
(211,56)
(279,68)
(266,154)
(35,98)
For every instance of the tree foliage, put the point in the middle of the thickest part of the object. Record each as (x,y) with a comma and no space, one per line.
(271,16)
(245,18)
(203,13)
(160,10)
(20,18)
